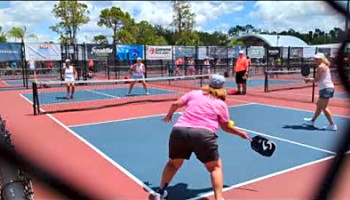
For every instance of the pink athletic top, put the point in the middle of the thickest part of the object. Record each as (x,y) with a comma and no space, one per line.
(203,111)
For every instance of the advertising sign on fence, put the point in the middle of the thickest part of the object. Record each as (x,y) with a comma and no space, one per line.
(158,52)
(274,52)
(202,53)
(256,52)
(99,51)
(129,52)
(334,52)
(43,51)
(296,52)
(185,51)
(309,52)
(10,51)
(218,52)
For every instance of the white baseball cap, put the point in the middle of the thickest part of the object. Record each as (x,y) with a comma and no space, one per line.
(67,60)
(319,56)
(241,52)
(217,81)
(138,58)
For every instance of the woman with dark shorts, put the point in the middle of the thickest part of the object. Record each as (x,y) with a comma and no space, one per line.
(195,131)
(326,86)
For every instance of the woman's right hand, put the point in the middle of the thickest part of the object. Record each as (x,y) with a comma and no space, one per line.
(167,118)
(245,135)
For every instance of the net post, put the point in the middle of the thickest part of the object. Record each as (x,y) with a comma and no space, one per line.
(145,60)
(35,97)
(266,81)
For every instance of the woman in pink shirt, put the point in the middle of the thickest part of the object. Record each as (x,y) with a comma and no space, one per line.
(195,131)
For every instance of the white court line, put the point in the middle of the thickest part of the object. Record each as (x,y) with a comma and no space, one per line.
(265,177)
(133,118)
(26,99)
(102,93)
(289,141)
(126,172)
(5,83)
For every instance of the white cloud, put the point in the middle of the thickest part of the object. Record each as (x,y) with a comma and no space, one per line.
(37,15)
(302,16)
(207,11)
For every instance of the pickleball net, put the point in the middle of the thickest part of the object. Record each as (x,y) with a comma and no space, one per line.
(292,79)
(50,96)
(289,85)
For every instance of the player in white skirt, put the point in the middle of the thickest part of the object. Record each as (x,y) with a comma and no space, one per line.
(31,64)
(137,71)
(70,74)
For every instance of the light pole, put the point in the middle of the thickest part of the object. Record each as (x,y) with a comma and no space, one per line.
(346,19)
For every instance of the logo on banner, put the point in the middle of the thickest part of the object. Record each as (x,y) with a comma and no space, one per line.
(152,50)
(44,45)
(97,50)
(159,52)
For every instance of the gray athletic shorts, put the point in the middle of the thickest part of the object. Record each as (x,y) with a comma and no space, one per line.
(185,140)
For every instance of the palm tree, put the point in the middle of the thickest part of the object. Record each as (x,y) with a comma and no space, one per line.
(20,33)
(2,35)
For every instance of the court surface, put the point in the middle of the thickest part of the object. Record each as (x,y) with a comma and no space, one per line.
(142,149)
(123,149)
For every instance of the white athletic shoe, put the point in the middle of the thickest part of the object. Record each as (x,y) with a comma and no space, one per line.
(147,93)
(307,121)
(157,196)
(331,128)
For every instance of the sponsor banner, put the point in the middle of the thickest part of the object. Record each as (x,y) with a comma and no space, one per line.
(129,52)
(10,51)
(309,52)
(256,52)
(274,52)
(202,53)
(334,52)
(285,52)
(325,51)
(185,51)
(158,52)
(99,51)
(218,52)
(43,51)
(231,52)
(296,52)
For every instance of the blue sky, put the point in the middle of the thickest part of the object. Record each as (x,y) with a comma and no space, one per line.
(210,15)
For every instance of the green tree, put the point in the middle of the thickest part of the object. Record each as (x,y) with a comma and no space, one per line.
(235,42)
(184,22)
(234,31)
(100,39)
(214,39)
(188,38)
(165,33)
(72,15)
(2,36)
(20,33)
(120,22)
(145,34)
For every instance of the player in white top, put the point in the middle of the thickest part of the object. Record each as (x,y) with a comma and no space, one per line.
(31,64)
(70,74)
(326,91)
(137,71)
(206,66)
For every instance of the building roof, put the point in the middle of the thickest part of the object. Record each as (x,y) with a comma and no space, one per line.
(333,45)
(275,40)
